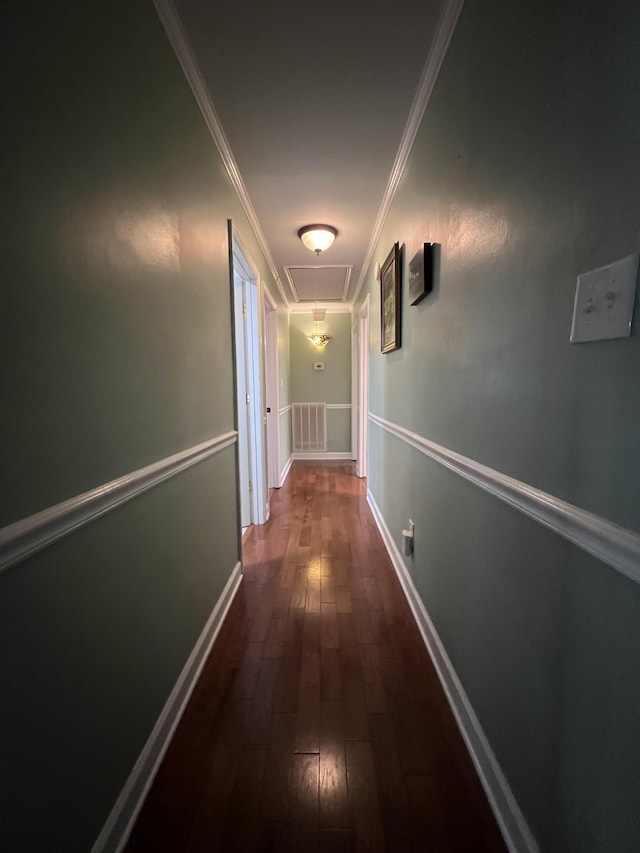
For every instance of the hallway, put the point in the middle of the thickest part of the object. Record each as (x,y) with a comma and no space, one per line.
(318,722)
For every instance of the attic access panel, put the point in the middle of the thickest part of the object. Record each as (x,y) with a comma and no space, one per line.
(319,283)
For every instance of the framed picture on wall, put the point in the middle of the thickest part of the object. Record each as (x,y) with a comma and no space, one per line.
(421,273)
(390,291)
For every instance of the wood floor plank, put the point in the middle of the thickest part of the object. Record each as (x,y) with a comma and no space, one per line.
(329,638)
(258,725)
(242,825)
(336,841)
(363,797)
(318,722)
(307,725)
(334,803)
(275,784)
(304,803)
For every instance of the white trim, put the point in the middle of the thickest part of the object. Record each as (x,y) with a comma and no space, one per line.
(444,32)
(354,389)
(616,546)
(513,826)
(328,307)
(327,406)
(272,387)
(328,455)
(285,409)
(347,282)
(361,451)
(182,47)
(250,353)
(119,824)
(285,471)
(23,538)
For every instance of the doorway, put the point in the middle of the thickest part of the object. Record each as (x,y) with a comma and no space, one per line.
(249,406)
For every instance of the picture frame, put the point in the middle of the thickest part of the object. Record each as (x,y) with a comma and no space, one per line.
(390,308)
(421,273)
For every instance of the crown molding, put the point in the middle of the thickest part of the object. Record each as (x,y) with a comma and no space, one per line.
(177,37)
(444,32)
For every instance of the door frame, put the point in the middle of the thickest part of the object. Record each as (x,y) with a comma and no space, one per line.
(272,389)
(363,389)
(244,269)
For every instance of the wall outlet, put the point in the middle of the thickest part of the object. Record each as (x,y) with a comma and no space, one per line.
(408,539)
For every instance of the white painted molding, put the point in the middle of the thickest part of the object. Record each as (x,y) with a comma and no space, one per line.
(285,471)
(614,545)
(327,307)
(120,822)
(288,271)
(347,282)
(317,455)
(444,32)
(183,50)
(512,824)
(29,535)
(338,406)
(285,409)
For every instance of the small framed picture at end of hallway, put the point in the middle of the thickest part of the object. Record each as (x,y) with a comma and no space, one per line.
(390,291)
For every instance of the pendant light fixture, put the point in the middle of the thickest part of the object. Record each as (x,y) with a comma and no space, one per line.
(317,238)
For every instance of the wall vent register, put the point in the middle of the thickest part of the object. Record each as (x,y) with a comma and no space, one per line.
(309,422)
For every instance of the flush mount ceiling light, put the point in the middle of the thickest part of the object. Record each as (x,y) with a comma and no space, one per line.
(317,238)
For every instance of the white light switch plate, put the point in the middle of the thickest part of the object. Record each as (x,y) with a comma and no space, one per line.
(318,365)
(603,307)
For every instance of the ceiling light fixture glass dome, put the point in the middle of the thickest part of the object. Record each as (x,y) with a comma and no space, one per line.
(318,238)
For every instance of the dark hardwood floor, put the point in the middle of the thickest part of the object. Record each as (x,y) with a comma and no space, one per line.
(318,723)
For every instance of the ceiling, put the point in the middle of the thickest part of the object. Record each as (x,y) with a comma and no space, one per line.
(315,102)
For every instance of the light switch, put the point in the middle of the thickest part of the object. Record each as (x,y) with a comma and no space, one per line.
(318,365)
(603,306)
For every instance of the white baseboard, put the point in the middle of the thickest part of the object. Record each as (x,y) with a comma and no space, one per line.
(285,471)
(319,456)
(120,822)
(513,826)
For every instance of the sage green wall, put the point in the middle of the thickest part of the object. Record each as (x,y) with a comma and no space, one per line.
(115,341)
(526,170)
(331,385)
